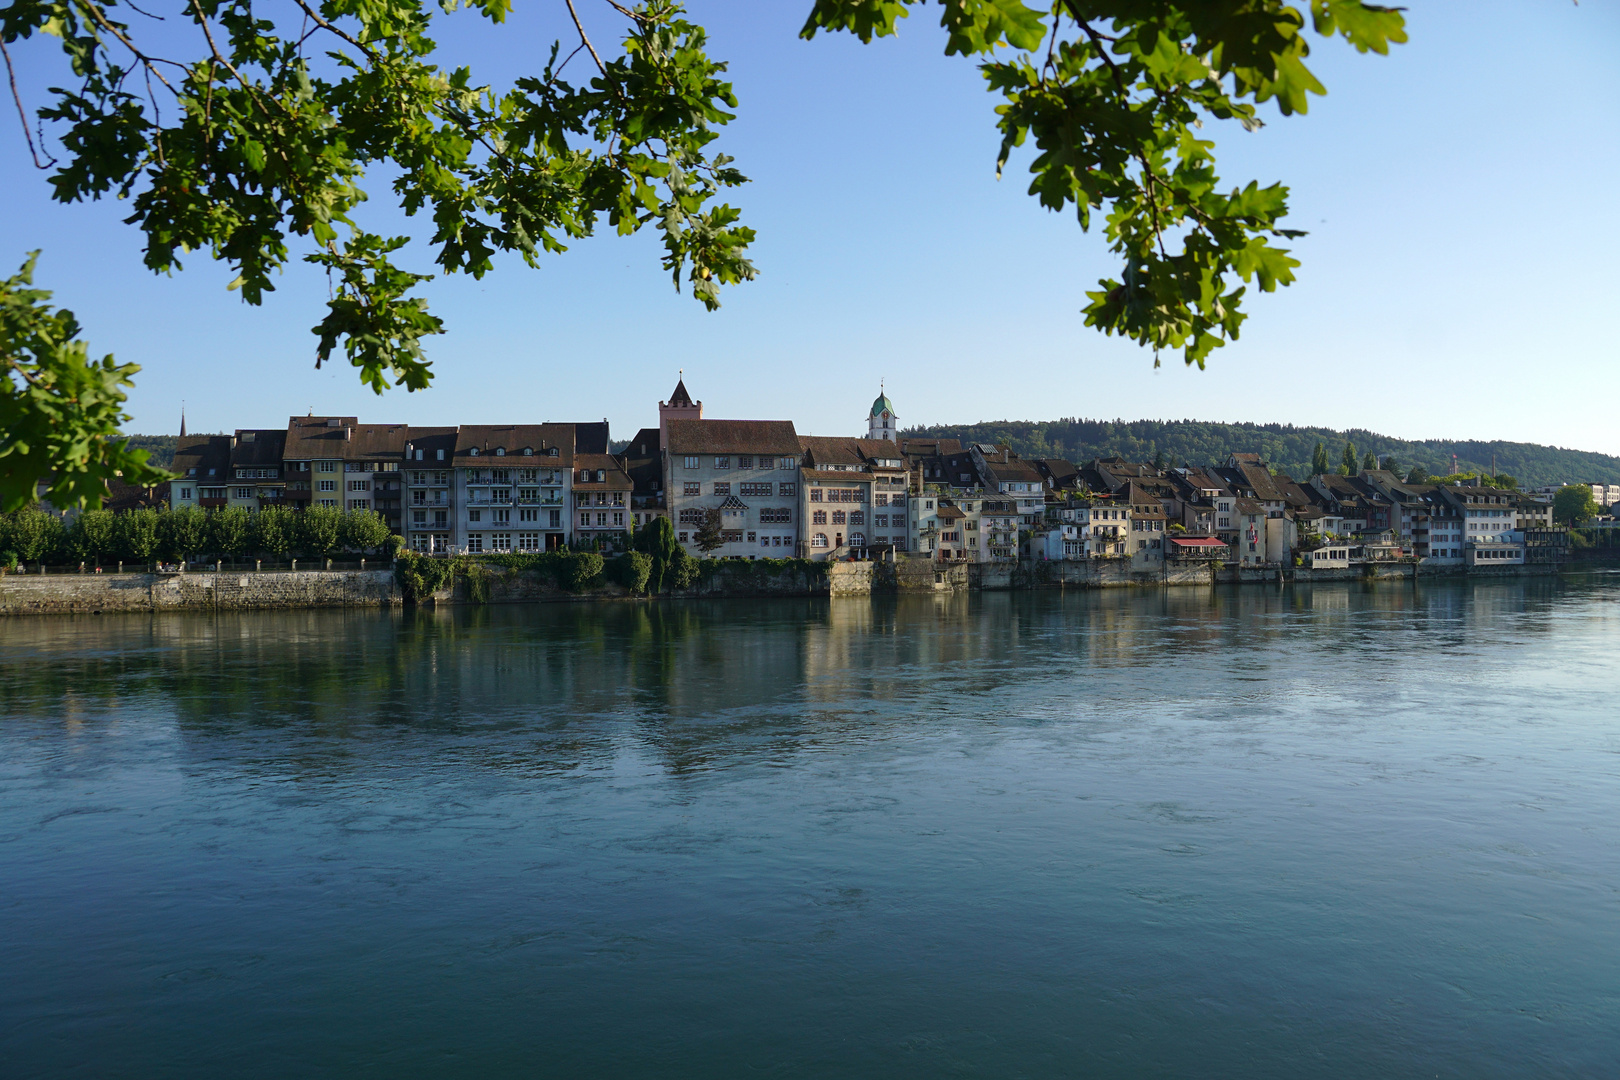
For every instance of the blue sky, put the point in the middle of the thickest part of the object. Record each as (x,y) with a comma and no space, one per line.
(1459,278)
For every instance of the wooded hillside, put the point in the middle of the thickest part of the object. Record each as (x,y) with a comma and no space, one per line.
(1285,447)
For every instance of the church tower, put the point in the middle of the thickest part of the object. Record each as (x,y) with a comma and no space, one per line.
(882,423)
(680,406)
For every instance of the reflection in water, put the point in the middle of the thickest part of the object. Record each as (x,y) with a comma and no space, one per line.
(1348,830)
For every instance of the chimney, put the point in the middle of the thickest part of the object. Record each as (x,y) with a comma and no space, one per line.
(348,434)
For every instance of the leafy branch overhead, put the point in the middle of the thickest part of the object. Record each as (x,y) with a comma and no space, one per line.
(252,142)
(1113,94)
(59,409)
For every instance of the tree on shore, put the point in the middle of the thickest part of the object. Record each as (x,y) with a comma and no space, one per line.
(230,531)
(1573,504)
(317,529)
(138,534)
(94,534)
(1319,461)
(708,535)
(184,530)
(239,148)
(273,530)
(657,540)
(364,531)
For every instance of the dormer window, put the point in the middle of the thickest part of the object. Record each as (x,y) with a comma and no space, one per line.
(601,476)
(473,452)
(500,451)
(528,451)
(552,452)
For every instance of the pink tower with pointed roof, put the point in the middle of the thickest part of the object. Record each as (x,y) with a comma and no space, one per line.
(680,406)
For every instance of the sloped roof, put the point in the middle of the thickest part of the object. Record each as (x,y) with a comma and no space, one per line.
(259,446)
(614,477)
(733,437)
(487,439)
(680,396)
(203,458)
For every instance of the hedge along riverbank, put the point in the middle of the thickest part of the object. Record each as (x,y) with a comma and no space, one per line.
(483,579)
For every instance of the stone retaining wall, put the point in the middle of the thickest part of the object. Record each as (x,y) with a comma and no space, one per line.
(30,594)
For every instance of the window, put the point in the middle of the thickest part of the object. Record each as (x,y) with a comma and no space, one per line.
(359,485)
(722,488)
(880,499)
(585,520)
(475,515)
(326,502)
(601,519)
(500,517)
(691,487)
(815,494)
(359,504)
(818,517)
(787,489)
(722,463)
(441,519)
(689,462)
(857,540)
(751,538)
(767,463)
(745,462)
(528,494)
(327,485)
(856,517)
(601,498)
(881,521)
(618,519)
(244,493)
(419,517)
(787,463)
(731,536)
(756,490)
(501,541)
(838,517)
(691,516)
(326,466)
(556,519)
(475,543)
(185,493)
(529,515)
(775,514)
(528,541)
(681,538)
(819,540)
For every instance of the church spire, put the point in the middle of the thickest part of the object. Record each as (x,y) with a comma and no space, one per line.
(182,419)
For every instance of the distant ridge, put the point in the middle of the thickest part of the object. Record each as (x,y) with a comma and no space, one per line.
(1285,447)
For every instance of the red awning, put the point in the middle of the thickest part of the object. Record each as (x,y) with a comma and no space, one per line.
(1198,541)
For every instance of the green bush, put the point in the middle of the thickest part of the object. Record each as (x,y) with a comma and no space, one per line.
(584,567)
(274,530)
(363,531)
(633,570)
(230,531)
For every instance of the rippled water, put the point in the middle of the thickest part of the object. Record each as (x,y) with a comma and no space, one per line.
(1347,831)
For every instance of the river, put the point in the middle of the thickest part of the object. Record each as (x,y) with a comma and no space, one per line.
(1331,831)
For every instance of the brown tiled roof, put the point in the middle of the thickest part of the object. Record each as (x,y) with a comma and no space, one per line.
(591,437)
(586,467)
(830,450)
(680,396)
(879,449)
(948,512)
(259,446)
(203,458)
(1246,505)
(429,441)
(1013,472)
(733,437)
(930,447)
(310,437)
(487,439)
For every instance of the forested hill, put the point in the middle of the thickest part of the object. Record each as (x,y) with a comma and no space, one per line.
(1285,448)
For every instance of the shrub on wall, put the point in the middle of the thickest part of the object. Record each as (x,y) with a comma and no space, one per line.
(633,569)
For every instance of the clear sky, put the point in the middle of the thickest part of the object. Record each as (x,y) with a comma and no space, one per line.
(1460,278)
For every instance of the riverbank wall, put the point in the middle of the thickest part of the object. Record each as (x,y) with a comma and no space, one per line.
(232,591)
(33,594)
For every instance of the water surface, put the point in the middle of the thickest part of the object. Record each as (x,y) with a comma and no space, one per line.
(1347,831)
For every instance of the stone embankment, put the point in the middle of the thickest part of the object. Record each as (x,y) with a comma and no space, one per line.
(232,590)
(34,594)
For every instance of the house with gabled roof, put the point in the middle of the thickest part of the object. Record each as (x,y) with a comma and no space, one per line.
(744,471)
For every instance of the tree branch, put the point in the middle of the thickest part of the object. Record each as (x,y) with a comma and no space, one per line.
(22,113)
(1125,95)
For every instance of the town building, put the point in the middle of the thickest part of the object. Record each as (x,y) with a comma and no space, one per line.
(742,474)
(511,483)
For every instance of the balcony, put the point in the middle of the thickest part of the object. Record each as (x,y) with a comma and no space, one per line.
(497,502)
(432,504)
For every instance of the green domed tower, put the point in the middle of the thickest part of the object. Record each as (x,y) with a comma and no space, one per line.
(881,423)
